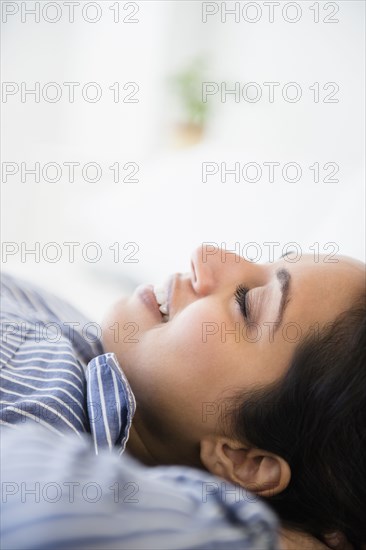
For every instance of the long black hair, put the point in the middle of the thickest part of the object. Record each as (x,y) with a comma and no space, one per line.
(315,418)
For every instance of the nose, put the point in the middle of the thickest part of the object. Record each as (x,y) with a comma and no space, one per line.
(213,267)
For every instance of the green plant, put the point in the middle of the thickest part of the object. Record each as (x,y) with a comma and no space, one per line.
(188,87)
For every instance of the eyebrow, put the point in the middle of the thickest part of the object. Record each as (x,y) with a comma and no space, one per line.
(284,278)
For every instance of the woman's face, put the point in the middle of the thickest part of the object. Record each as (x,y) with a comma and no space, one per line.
(181,370)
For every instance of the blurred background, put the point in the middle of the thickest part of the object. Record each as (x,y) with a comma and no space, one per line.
(156,187)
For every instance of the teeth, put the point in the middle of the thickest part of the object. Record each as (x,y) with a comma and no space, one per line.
(161,296)
(164,309)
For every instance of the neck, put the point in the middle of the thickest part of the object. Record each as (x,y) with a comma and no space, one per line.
(150,451)
(136,446)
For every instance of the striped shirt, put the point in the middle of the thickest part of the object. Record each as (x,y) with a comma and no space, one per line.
(54,372)
(66,411)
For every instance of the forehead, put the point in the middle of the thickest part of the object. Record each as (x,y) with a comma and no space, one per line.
(323,288)
(335,268)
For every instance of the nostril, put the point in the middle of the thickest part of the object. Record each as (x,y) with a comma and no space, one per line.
(194,278)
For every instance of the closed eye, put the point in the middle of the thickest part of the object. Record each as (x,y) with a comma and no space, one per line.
(240,294)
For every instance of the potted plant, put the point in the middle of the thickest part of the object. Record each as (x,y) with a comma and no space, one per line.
(187,85)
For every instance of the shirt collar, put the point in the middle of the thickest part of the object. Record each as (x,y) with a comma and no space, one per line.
(111,403)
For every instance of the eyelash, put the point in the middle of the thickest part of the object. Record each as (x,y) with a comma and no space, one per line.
(241,299)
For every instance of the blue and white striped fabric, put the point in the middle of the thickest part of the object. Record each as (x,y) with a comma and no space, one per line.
(57,494)
(66,411)
(53,370)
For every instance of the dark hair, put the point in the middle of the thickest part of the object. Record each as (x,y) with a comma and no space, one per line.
(315,418)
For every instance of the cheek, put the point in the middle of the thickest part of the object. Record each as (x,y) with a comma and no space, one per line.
(194,354)
(195,329)
(181,363)
(174,355)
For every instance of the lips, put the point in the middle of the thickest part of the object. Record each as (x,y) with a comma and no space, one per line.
(146,294)
(159,298)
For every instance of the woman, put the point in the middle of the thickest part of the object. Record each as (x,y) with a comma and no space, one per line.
(253,372)
(256,373)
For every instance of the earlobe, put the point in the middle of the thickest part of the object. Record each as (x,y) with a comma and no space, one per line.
(254,469)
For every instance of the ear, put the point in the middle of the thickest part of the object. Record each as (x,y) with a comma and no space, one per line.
(259,471)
